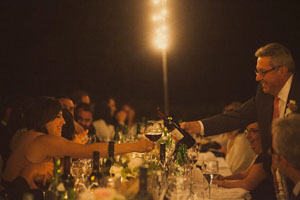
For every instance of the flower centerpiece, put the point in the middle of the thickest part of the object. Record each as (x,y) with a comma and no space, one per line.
(291,107)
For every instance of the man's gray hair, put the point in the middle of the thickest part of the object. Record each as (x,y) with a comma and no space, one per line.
(281,56)
(288,138)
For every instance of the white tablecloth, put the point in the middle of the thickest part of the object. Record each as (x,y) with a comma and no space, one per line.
(200,188)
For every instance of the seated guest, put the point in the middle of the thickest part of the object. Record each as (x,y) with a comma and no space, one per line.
(239,154)
(286,150)
(67,103)
(105,119)
(84,116)
(254,178)
(43,140)
(130,113)
(68,129)
(80,96)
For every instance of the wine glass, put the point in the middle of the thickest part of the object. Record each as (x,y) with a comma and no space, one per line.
(153,130)
(39,181)
(210,171)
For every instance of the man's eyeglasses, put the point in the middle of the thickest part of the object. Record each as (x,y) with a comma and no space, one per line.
(262,73)
(251,130)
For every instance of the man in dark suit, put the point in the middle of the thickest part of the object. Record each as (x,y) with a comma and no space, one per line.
(279,88)
(286,149)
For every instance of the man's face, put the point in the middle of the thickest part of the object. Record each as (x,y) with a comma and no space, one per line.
(270,81)
(254,138)
(85,99)
(68,104)
(112,106)
(84,118)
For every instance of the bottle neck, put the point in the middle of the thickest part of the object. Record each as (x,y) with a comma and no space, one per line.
(67,165)
(96,162)
(111,149)
(143,180)
(162,152)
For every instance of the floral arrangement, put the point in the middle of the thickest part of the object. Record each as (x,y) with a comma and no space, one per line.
(291,107)
(127,166)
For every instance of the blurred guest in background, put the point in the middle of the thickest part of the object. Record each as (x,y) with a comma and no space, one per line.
(105,119)
(130,113)
(80,96)
(254,178)
(84,116)
(67,103)
(68,129)
(286,150)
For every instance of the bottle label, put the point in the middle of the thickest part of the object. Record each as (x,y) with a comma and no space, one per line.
(175,133)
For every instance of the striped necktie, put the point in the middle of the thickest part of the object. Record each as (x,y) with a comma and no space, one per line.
(276,108)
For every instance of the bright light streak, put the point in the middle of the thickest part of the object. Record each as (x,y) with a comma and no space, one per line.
(155,2)
(159,20)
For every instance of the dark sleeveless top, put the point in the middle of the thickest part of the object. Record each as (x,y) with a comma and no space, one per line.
(265,190)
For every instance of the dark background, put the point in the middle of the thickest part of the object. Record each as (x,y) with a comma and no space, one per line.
(52,47)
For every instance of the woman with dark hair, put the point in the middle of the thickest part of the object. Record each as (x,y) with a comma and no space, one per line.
(43,140)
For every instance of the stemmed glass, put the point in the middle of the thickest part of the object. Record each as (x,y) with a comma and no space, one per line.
(193,155)
(43,186)
(153,131)
(210,171)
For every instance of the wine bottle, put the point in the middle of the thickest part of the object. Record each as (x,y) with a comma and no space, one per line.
(110,159)
(181,135)
(95,177)
(68,179)
(143,194)
(117,134)
(162,153)
(56,189)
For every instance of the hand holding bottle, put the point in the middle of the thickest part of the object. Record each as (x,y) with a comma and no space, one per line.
(192,127)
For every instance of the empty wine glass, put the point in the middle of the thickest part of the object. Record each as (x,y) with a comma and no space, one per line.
(210,171)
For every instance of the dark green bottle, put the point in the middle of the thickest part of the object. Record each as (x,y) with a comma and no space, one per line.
(95,177)
(110,158)
(117,134)
(143,194)
(68,179)
(56,189)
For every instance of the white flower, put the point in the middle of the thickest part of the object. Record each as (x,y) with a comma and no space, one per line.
(291,107)
(61,187)
(116,170)
(135,162)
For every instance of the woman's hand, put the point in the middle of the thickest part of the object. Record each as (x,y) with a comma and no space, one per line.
(37,172)
(81,137)
(145,145)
